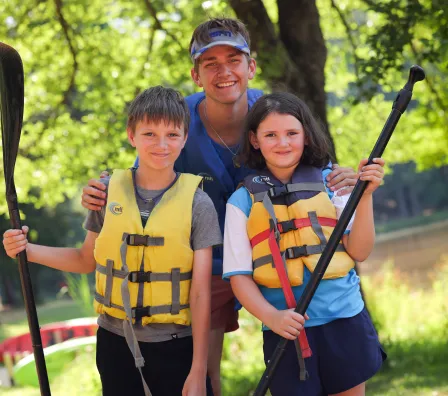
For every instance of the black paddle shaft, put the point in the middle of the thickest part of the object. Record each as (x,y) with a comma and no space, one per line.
(11,107)
(399,106)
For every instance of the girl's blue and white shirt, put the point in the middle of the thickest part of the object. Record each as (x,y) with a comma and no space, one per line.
(334,298)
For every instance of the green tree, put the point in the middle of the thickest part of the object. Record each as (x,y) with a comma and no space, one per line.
(85,61)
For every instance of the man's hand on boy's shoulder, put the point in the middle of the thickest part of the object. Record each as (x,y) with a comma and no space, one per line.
(342,180)
(94,194)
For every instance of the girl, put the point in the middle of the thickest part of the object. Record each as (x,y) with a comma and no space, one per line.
(276,227)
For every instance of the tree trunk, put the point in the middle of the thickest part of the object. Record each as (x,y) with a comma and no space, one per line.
(293,60)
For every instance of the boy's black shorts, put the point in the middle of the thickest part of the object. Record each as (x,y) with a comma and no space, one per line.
(167,365)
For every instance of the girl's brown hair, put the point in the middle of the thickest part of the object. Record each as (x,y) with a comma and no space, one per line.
(317,150)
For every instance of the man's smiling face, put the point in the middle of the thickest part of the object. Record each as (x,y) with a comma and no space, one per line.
(224,73)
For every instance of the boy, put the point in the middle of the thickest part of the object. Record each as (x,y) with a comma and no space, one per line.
(151,247)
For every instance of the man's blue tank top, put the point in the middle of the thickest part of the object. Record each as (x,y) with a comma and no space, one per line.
(200,156)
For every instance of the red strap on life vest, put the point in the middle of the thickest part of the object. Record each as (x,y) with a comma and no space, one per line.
(287,290)
(299,223)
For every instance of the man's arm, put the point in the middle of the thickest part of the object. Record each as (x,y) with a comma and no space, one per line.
(93,195)
(342,180)
(359,243)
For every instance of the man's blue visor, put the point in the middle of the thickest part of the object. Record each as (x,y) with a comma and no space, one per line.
(219,37)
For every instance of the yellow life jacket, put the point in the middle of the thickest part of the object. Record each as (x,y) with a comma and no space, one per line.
(158,256)
(299,217)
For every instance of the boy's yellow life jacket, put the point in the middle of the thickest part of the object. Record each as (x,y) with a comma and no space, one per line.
(145,273)
(294,221)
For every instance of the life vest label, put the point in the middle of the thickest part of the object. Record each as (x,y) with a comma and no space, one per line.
(261,179)
(206,177)
(115,208)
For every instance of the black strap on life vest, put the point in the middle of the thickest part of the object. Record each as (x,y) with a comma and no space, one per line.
(144,240)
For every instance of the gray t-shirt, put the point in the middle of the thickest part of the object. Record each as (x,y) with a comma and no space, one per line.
(205,232)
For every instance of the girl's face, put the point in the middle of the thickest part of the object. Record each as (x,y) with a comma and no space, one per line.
(281,140)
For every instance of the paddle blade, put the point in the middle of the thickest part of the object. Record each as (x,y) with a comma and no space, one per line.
(11,110)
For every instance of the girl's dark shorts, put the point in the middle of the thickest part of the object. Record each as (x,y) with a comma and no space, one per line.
(346,353)
(167,365)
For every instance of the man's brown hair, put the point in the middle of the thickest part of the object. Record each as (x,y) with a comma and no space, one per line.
(202,32)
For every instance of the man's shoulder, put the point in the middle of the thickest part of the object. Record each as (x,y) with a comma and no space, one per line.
(193,99)
(253,95)
(195,120)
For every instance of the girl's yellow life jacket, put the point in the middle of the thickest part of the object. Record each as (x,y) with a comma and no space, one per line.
(149,267)
(301,217)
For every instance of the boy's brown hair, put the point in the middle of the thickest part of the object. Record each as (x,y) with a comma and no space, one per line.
(159,104)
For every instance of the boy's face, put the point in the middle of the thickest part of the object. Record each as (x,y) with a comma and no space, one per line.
(224,73)
(158,145)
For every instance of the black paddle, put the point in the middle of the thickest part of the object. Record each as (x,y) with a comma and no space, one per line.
(11,107)
(399,106)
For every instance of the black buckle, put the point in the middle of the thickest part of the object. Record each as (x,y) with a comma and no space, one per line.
(296,252)
(277,191)
(288,225)
(137,240)
(139,276)
(138,313)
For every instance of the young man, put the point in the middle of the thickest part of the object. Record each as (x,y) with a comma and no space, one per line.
(151,247)
(222,67)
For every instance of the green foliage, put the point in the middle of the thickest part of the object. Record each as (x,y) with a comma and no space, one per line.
(80,291)
(371,45)
(406,314)
(83,378)
(85,61)
(79,377)
(242,362)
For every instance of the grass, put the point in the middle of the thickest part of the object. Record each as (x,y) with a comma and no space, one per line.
(412,324)
(14,322)
(410,380)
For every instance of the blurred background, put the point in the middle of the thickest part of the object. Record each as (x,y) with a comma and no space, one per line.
(85,60)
